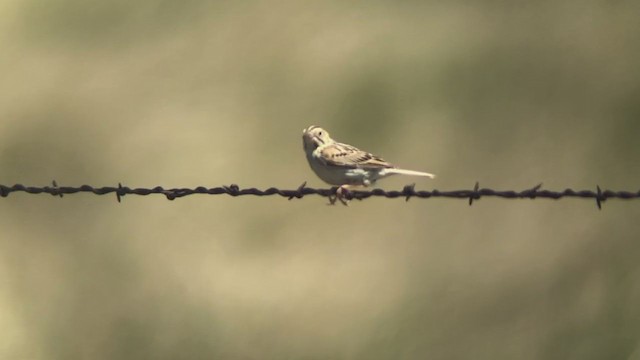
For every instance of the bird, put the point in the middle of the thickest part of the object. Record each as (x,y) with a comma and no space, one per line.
(344,165)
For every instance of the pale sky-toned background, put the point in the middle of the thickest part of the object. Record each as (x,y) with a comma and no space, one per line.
(190,93)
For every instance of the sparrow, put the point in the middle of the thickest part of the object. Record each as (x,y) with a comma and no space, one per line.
(345,165)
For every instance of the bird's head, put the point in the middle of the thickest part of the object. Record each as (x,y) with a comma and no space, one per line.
(315,136)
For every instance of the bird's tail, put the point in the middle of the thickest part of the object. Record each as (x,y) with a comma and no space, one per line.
(408,172)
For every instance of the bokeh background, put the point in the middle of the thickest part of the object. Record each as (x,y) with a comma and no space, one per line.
(156,92)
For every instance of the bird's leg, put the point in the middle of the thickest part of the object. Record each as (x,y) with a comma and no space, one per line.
(340,194)
(333,198)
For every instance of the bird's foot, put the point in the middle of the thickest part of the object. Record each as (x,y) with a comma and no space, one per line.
(341,192)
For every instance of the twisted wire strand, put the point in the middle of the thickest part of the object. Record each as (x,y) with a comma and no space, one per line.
(407,192)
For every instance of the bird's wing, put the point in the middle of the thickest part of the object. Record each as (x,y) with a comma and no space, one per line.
(348,156)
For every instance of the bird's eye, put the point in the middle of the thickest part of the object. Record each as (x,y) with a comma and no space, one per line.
(319,133)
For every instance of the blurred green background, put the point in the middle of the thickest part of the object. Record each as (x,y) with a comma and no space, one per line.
(156,92)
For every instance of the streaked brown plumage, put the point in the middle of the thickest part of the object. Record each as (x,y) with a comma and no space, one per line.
(344,165)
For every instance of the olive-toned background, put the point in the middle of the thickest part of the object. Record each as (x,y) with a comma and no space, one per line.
(156,92)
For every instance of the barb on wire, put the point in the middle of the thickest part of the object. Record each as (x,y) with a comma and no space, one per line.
(407,192)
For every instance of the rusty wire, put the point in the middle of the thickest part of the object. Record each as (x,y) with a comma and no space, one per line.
(407,192)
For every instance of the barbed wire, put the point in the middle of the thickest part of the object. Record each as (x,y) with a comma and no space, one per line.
(407,192)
